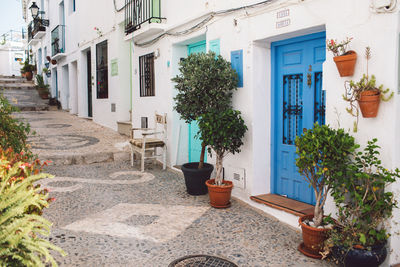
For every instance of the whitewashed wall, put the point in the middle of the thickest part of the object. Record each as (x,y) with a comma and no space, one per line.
(254,32)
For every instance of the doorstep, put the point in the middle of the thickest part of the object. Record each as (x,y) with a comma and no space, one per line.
(283,203)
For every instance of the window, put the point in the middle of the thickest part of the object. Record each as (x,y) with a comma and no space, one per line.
(72,6)
(102,70)
(146,73)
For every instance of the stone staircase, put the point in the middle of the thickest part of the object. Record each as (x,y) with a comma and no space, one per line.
(22,94)
(15,82)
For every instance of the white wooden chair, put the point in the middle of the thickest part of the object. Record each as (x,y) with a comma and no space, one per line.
(151,139)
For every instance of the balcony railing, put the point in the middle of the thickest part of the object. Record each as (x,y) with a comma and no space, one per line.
(35,26)
(138,12)
(58,40)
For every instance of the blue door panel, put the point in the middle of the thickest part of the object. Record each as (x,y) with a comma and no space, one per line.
(298,102)
(237,65)
(195,143)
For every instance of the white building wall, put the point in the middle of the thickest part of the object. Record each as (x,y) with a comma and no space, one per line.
(254,32)
(80,36)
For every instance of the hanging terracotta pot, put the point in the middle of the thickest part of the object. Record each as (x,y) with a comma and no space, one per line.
(220,195)
(313,238)
(369,103)
(53,61)
(346,63)
(48,58)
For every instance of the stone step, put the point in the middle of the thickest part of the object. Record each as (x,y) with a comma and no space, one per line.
(11,86)
(13,80)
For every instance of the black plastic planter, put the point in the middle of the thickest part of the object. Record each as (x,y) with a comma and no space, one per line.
(360,257)
(195,178)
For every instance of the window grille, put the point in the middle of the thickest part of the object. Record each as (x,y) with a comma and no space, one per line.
(146,73)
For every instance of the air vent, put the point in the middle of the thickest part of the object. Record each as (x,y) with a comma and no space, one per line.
(143,122)
(236,175)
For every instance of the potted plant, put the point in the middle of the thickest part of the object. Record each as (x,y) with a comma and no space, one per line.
(364,203)
(28,69)
(205,82)
(47,72)
(323,153)
(366,93)
(43,89)
(222,131)
(345,59)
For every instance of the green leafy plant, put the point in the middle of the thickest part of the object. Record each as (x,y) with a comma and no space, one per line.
(338,48)
(222,130)
(28,67)
(362,199)
(323,153)
(366,83)
(13,132)
(206,82)
(40,85)
(21,203)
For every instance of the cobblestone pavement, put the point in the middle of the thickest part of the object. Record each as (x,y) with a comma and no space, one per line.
(66,139)
(109,214)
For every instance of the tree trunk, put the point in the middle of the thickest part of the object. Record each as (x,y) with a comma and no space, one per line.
(318,213)
(218,176)
(203,150)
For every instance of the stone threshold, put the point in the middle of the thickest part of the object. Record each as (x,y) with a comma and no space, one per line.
(283,203)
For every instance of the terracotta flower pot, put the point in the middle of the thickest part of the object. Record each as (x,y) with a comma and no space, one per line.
(369,103)
(346,63)
(313,238)
(53,61)
(29,75)
(220,195)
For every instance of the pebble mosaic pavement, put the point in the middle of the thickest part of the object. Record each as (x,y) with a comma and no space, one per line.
(111,220)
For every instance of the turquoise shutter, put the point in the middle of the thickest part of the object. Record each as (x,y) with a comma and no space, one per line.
(214,46)
(237,65)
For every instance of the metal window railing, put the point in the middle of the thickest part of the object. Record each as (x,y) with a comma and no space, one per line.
(58,40)
(146,73)
(35,26)
(138,12)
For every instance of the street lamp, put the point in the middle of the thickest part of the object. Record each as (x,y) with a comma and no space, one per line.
(34,10)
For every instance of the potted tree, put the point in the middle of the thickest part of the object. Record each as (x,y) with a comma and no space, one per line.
(223,131)
(366,93)
(205,82)
(43,89)
(364,203)
(323,153)
(345,59)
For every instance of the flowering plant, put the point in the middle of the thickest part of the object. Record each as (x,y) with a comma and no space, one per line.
(338,49)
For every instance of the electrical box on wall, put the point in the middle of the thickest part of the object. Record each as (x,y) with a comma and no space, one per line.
(236,175)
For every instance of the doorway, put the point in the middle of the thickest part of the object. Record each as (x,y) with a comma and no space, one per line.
(298,102)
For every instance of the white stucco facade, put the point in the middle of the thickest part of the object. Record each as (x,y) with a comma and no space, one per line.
(12,53)
(251,30)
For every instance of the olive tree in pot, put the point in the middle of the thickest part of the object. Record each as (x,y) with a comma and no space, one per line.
(223,131)
(323,153)
(205,82)
(364,204)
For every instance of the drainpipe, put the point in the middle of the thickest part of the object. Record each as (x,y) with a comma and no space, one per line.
(130,76)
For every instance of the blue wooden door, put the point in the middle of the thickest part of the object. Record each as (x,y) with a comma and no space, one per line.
(299,101)
(195,143)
